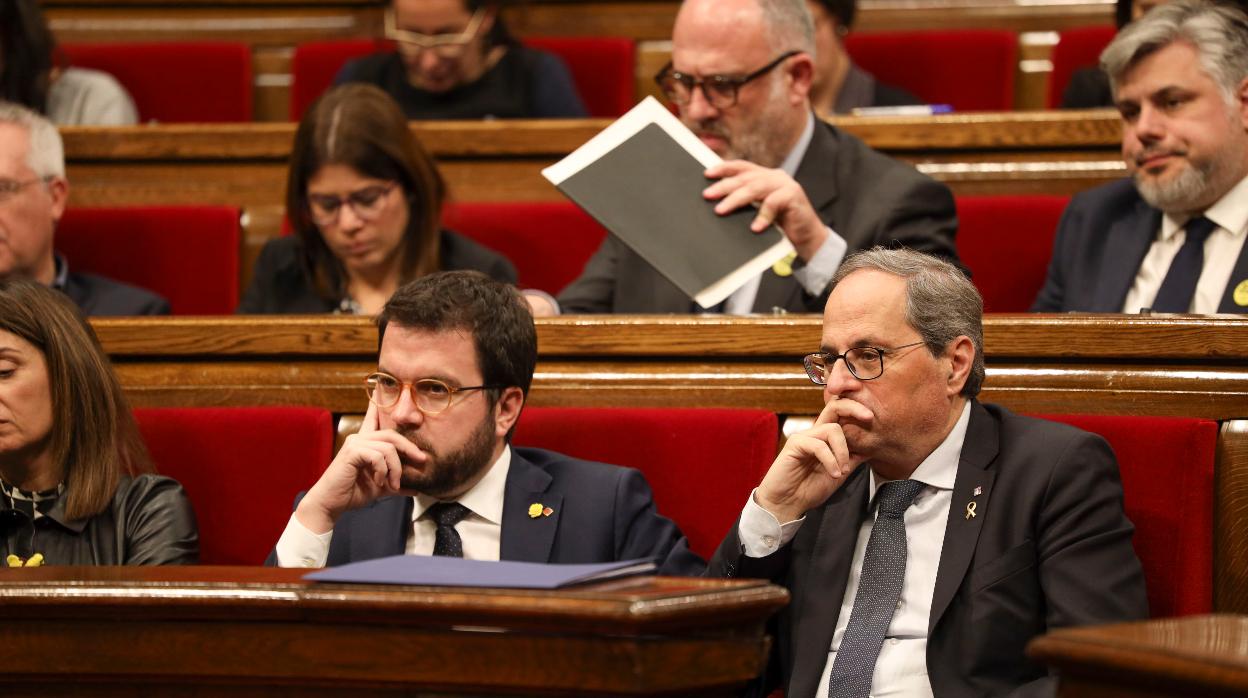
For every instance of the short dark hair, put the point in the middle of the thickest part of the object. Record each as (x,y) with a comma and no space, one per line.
(26,54)
(494,313)
(843,11)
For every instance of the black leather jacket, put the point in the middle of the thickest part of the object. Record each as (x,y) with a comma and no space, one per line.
(150,522)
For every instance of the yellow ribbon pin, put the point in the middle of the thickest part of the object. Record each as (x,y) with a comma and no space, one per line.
(1240,294)
(784,267)
(970,510)
(35,560)
(535,510)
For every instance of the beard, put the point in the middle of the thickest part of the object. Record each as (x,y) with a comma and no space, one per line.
(760,140)
(446,473)
(1182,193)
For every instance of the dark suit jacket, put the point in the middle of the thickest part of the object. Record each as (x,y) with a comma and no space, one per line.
(1049,548)
(602,513)
(866,197)
(279,283)
(97,295)
(1101,241)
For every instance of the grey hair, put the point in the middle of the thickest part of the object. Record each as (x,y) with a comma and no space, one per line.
(1219,33)
(941,303)
(47,153)
(789,25)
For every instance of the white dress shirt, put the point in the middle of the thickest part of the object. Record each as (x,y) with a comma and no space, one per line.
(1222,249)
(818,271)
(480,531)
(901,668)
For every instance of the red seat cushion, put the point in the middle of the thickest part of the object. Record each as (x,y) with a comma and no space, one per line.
(602,68)
(241,467)
(177,82)
(969,69)
(1167,481)
(549,242)
(188,254)
(1006,242)
(701,463)
(1075,49)
(316,63)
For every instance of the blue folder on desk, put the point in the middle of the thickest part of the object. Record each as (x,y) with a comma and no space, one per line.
(426,570)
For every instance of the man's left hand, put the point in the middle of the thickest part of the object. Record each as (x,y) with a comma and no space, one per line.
(780,200)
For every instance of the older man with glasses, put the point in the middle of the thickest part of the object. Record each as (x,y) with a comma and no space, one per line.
(432,471)
(454,59)
(926,537)
(740,78)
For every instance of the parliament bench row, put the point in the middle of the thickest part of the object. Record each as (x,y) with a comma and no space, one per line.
(193,256)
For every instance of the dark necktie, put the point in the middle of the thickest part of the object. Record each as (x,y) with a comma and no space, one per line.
(447,542)
(1175,294)
(879,587)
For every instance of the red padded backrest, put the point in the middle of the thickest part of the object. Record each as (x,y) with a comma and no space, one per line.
(602,68)
(701,463)
(315,64)
(1167,481)
(1076,48)
(241,467)
(188,254)
(1006,242)
(549,242)
(970,69)
(177,82)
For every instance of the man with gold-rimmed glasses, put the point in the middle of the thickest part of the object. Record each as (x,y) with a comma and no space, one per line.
(926,537)
(431,470)
(454,59)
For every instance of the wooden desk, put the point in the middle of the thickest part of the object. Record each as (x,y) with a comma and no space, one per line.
(1203,656)
(238,632)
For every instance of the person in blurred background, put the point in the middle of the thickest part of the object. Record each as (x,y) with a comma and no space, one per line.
(840,86)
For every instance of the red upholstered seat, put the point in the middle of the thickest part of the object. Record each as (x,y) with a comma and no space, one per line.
(970,69)
(1167,481)
(241,467)
(549,242)
(701,463)
(1076,48)
(188,254)
(177,82)
(602,69)
(1006,241)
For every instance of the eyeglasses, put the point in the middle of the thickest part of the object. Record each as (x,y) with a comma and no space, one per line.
(864,363)
(10,187)
(430,394)
(443,45)
(366,203)
(720,91)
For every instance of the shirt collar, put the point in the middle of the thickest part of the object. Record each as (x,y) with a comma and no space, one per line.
(1229,213)
(940,468)
(485,499)
(794,158)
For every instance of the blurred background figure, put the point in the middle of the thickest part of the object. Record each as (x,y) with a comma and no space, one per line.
(76,486)
(840,86)
(365,201)
(456,60)
(31,75)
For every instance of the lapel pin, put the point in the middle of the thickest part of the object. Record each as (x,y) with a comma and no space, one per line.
(784,267)
(1240,294)
(535,510)
(978,491)
(547,511)
(970,510)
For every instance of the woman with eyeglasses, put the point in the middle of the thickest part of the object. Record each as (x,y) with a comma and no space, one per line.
(455,59)
(31,76)
(76,486)
(364,199)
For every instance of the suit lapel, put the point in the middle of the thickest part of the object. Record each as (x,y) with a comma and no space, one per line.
(525,537)
(1127,241)
(816,613)
(1238,276)
(979,451)
(381,529)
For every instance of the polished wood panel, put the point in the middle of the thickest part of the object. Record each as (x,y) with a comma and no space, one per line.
(251,631)
(1196,656)
(1230,530)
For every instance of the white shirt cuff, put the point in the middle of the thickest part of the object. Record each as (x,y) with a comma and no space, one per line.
(299,547)
(760,533)
(817,272)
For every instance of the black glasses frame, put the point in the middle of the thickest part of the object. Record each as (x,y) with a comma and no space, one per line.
(667,78)
(830,359)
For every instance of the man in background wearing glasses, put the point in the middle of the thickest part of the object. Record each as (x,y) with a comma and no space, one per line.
(455,59)
(740,77)
(33,196)
(431,470)
(970,531)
